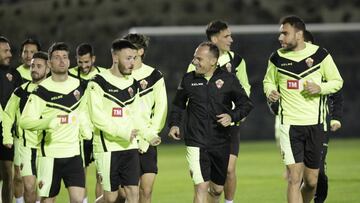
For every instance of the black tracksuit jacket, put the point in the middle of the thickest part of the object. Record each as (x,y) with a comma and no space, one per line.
(203,100)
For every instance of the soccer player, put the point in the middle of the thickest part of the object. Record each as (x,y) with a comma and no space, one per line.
(154,102)
(25,150)
(295,76)
(55,109)
(9,80)
(208,94)
(27,50)
(113,105)
(218,32)
(84,71)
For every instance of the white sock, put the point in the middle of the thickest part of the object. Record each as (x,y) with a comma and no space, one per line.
(229,201)
(19,200)
(85,200)
(37,201)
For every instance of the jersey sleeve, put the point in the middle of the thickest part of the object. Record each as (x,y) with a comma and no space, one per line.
(31,117)
(86,127)
(241,74)
(9,115)
(332,76)
(270,82)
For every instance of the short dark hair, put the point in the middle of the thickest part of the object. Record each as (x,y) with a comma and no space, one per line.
(58,46)
(213,49)
(309,37)
(120,44)
(139,40)
(294,21)
(214,27)
(41,55)
(84,48)
(4,40)
(30,41)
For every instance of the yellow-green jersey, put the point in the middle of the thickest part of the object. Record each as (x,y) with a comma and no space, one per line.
(55,109)
(75,72)
(24,73)
(153,101)
(12,114)
(289,71)
(233,63)
(113,111)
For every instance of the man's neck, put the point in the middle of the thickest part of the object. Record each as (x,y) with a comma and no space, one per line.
(300,46)
(115,71)
(210,73)
(59,77)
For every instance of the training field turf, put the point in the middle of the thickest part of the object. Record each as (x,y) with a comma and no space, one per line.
(260,174)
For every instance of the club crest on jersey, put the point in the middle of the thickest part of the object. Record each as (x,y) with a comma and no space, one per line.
(219,83)
(131,92)
(117,112)
(309,62)
(143,84)
(292,84)
(228,67)
(9,76)
(77,94)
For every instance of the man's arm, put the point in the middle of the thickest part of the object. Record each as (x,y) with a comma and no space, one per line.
(241,74)
(335,102)
(243,104)
(331,75)
(9,115)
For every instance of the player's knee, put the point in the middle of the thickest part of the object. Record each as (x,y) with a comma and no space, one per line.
(292,180)
(310,183)
(215,192)
(146,192)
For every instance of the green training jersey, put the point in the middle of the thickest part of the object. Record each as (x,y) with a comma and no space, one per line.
(75,72)
(153,101)
(113,111)
(226,61)
(55,109)
(12,114)
(289,71)
(24,73)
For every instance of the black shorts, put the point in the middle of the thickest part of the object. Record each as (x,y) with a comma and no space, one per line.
(124,168)
(52,170)
(235,140)
(6,154)
(148,161)
(87,152)
(208,164)
(302,144)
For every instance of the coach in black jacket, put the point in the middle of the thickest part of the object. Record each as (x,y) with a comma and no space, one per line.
(207,94)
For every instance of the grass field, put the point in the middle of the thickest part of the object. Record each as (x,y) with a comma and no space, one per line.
(260,174)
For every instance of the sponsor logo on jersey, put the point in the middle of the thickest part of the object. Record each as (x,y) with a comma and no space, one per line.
(286,64)
(293,84)
(219,83)
(56,97)
(64,119)
(117,112)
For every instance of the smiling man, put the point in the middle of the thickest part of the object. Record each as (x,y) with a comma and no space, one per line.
(299,76)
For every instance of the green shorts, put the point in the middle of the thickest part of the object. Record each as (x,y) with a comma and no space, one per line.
(28,161)
(17,145)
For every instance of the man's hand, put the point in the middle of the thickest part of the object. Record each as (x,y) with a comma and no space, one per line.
(133,134)
(224,119)
(335,126)
(175,133)
(274,96)
(312,88)
(155,141)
